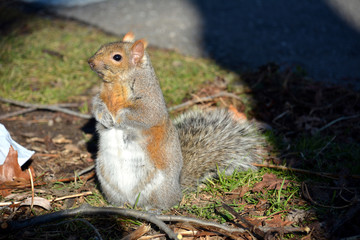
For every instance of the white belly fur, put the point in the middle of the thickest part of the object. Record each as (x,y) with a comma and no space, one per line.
(121,166)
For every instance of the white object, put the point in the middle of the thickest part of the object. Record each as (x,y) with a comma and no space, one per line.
(5,142)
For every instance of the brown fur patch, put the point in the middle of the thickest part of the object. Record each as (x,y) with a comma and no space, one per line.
(155,146)
(115,96)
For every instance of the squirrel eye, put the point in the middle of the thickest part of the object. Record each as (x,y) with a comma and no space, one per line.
(117,57)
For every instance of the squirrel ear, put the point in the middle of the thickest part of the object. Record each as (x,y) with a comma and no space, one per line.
(138,50)
(129,37)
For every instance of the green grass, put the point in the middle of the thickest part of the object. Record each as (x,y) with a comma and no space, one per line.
(327,154)
(44,60)
(29,73)
(48,63)
(217,189)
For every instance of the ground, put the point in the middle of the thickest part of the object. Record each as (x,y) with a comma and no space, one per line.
(311,127)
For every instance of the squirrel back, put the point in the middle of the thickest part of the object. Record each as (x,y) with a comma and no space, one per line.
(143,157)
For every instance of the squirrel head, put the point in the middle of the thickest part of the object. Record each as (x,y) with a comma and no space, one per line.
(116,61)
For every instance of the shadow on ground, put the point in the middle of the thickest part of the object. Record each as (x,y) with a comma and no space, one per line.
(243,34)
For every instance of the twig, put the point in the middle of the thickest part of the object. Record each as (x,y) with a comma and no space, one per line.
(46,155)
(328,105)
(156,236)
(85,170)
(322,149)
(322,174)
(280,116)
(195,233)
(12,114)
(32,189)
(247,224)
(82,178)
(250,227)
(3,204)
(158,220)
(173,218)
(53,53)
(337,120)
(260,231)
(55,108)
(306,193)
(203,99)
(237,215)
(89,210)
(67,104)
(73,196)
(27,110)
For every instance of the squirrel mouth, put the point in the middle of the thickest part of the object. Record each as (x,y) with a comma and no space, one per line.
(100,74)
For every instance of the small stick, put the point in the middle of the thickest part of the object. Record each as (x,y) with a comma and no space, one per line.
(250,227)
(156,236)
(89,210)
(88,169)
(305,190)
(87,177)
(247,224)
(204,99)
(337,120)
(32,189)
(73,196)
(174,218)
(322,149)
(328,175)
(46,155)
(27,110)
(3,204)
(280,116)
(55,108)
(12,114)
(158,220)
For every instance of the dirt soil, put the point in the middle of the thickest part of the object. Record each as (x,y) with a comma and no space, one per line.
(65,144)
(58,139)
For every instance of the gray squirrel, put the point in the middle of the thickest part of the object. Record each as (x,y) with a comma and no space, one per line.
(143,156)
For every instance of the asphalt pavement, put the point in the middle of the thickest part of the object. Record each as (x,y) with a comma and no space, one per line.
(322,36)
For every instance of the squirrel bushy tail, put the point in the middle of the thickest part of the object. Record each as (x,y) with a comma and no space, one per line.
(213,141)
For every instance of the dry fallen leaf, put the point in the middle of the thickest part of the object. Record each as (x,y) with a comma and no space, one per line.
(140,231)
(38,201)
(218,85)
(297,215)
(71,148)
(59,139)
(276,221)
(11,173)
(241,190)
(237,115)
(270,181)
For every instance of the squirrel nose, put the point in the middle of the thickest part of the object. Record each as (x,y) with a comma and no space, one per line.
(91,63)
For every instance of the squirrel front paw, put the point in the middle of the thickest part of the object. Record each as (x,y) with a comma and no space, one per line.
(101,113)
(105,119)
